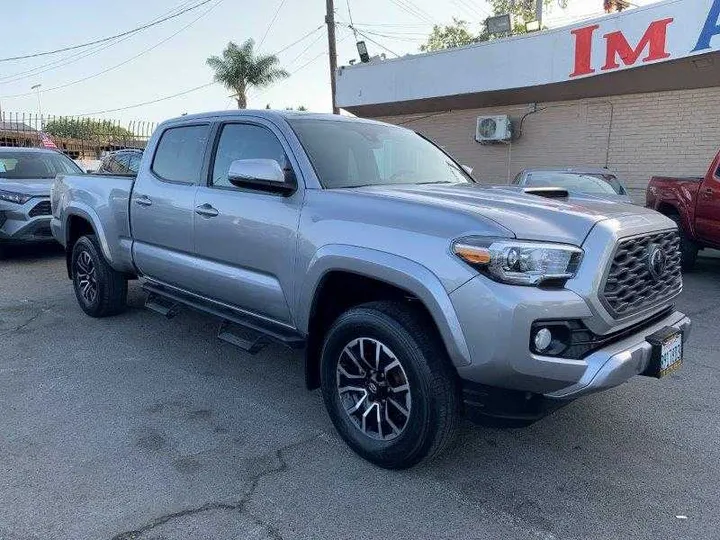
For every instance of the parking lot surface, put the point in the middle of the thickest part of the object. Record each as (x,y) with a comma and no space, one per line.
(137,427)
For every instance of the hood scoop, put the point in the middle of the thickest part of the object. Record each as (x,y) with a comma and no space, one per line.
(547,192)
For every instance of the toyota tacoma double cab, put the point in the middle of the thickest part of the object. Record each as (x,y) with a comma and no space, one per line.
(694,204)
(417,294)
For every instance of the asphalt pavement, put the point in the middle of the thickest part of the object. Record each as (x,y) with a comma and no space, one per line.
(138,427)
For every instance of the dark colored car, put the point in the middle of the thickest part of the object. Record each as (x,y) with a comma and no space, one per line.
(694,204)
(26,175)
(600,183)
(121,162)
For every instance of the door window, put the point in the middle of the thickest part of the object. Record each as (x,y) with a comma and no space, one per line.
(244,141)
(179,153)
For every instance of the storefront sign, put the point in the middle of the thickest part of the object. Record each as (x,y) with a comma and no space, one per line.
(661,32)
(651,47)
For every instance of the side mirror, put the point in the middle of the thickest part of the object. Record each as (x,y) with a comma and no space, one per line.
(261,174)
(467,169)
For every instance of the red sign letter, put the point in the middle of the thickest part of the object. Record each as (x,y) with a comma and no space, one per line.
(583,50)
(655,39)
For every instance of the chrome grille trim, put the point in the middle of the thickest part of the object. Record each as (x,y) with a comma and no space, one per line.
(628,287)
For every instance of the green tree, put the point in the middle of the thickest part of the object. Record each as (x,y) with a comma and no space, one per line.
(240,69)
(457,34)
(78,128)
(521,11)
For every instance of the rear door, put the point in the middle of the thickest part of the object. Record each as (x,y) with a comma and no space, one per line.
(246,238)
(707,210)
(162,206)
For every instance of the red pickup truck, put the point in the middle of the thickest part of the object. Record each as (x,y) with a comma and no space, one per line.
(694,204)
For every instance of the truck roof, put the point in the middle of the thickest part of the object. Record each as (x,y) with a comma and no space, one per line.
(269,114)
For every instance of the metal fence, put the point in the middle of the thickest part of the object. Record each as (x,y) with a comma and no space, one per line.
(79,137)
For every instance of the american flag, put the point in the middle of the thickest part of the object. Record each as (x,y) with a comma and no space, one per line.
(46,141)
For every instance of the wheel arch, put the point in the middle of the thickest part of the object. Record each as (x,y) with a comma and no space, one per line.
(675,209)
(78,223)
(343,276)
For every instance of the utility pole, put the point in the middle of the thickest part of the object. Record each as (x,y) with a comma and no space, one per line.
(539,12)
(330,21)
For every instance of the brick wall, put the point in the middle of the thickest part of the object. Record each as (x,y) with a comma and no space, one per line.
(637,136)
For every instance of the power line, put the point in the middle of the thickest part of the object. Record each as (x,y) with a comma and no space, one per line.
(410,8)
(306,49)
(310,33)
(398,25)
(129,32)
(468,7)
(73,58)
(277,12)
(112,68)
(396,37)
(148,102)
(371,40)
(195,89)
(352,26)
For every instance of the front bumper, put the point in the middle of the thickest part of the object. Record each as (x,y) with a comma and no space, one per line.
(496,320)
(20,225)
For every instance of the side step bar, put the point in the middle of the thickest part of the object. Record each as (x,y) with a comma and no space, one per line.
(248,340)
(243,330)
(158,304)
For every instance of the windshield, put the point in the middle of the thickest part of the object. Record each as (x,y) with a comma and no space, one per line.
(352,154)
(592,183)
(27,165)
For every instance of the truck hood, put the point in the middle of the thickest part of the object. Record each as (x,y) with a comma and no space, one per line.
(36,187)
(528,217)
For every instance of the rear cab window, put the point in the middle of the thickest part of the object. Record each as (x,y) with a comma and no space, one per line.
(180,152)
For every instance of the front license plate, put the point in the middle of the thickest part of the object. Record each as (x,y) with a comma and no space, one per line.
(667,352)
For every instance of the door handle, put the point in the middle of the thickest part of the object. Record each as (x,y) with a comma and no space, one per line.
(708,193)
(143,200)
(206,210)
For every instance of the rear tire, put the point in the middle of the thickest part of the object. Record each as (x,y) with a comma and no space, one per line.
(101,291)
(404,390)
(688,248)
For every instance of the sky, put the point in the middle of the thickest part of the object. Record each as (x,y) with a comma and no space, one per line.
(169,58)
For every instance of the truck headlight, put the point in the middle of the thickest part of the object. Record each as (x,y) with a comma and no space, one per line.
(519,263)
(17,198)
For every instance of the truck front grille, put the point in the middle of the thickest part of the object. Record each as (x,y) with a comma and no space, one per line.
(634,282)
(41,209)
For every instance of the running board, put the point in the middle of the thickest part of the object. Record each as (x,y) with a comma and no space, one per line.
(251,333)
(158,304)
(248,340)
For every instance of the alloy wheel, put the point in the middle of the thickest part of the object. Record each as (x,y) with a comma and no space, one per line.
(374,389)
(86,277)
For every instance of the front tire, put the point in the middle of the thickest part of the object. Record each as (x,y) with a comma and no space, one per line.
(388,384)
(101,291)
(688,248)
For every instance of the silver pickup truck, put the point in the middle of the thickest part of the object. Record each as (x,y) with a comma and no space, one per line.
(417,294)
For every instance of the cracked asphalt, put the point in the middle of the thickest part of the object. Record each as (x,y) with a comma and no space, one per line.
(137,427)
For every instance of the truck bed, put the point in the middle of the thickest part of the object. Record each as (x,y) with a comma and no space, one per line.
(102,199)
(663,179)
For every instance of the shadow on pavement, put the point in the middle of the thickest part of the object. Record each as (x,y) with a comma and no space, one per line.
(31,252)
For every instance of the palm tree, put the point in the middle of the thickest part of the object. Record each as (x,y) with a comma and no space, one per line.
(239,69)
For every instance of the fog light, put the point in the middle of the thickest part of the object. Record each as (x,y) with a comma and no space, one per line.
(543,339)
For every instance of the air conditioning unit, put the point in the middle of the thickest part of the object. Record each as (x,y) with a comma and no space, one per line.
(494,129)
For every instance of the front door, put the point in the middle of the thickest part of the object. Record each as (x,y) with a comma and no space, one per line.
(163,206)
(707,210)
(246,239)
